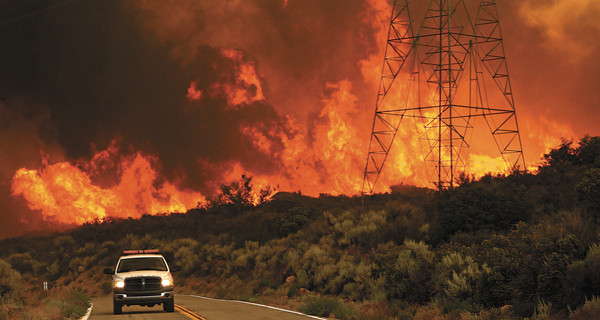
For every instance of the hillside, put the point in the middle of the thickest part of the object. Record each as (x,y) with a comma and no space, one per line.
(514,246)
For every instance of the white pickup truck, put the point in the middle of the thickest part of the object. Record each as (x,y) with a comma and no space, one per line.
(142,277)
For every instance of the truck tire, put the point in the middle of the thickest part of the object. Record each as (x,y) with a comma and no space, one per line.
(169,306)
(117,307)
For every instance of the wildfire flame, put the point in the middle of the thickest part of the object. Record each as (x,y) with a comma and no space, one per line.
(65,193)
(324,152)
(245,89)
(193,93)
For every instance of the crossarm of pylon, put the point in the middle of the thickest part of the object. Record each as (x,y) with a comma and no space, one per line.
(386,123)
(395,55)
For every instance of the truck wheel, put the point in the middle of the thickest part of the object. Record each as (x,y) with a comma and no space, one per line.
(169,306)
(117,307)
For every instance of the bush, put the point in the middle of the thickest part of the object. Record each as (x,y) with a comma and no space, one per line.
(429,313)
(293,290)
(326,306)
(589,311)
(408,274)
(457,278)
(10,282)
(583,278)
(489,204)
(542,311)
(292,221)
(263,284)
(22,262)
(356,228)
(76,305)
(589,190)
(106,287)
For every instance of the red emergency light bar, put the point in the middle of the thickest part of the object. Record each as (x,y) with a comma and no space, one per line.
(140,251)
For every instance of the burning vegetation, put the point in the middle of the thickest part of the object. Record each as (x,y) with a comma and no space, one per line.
(500,247)
(66,193)
(192,96)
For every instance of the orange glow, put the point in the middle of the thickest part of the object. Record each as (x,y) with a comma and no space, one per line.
(193,93)
(235,171)
(554,21)
(65,192)
(326,159)
(247,87)
(260,141)
(325,152)
(320,149)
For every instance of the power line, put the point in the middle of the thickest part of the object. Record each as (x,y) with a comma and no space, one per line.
(33,13)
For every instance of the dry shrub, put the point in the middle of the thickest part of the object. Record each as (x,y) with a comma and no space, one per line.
(430,313)
(589,311)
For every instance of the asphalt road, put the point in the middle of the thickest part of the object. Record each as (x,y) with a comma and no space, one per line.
(203,308)
(103,309)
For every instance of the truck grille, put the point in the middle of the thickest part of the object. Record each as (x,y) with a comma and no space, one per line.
(143,283)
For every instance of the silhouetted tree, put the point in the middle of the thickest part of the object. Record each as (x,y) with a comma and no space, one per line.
(241,194)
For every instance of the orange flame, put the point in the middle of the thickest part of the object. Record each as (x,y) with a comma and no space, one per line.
(324,159)
(330,157)
(246,88)
(324,153)
(66,193)
(193,93)
(241,92)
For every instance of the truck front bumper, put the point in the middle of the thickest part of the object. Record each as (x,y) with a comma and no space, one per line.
(143,299)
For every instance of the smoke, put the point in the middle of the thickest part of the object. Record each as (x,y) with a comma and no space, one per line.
(283,90)
(551,47)
(570,26)
(22,136)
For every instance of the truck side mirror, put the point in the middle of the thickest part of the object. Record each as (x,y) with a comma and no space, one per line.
(175,268)
(108,271)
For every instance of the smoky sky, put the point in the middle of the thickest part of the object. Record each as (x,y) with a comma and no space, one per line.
(77,74)
(90,66)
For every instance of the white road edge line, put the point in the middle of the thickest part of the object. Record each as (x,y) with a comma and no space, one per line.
(87,315)
(255,304)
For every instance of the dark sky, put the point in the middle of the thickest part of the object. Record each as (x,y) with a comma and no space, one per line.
(77,75)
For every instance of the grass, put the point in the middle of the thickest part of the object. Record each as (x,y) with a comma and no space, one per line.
(322,306)
(589,311)
(60,302)
(326,306)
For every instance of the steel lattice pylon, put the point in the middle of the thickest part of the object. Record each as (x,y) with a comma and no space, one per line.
(438,75)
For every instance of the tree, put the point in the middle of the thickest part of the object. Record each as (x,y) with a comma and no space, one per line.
(10,281)
(490,204)
(242,194)
(588,152)
(589,190)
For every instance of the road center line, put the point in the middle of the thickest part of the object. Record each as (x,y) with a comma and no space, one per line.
(188,313)
(255,304)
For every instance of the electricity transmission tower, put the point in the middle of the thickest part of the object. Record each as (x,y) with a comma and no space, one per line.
(444,75)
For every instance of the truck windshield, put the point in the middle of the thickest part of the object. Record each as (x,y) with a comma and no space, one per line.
(149,263)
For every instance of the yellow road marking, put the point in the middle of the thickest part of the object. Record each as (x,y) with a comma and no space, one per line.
(188,313)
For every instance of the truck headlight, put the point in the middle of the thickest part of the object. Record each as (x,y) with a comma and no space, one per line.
(167,282)
(120,284)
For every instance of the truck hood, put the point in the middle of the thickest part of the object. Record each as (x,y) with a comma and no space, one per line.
(142,273)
